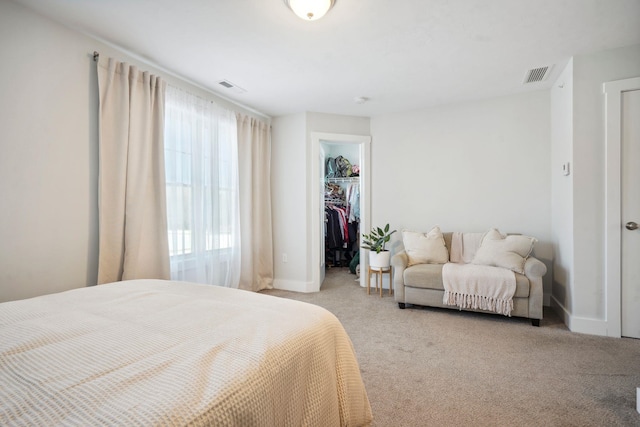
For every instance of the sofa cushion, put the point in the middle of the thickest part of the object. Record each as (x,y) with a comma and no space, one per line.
(429,276)
(504,251)
(425,248)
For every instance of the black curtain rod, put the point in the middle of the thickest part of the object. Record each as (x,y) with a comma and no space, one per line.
(96,55)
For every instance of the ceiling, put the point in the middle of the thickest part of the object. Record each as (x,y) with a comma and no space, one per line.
(401,55)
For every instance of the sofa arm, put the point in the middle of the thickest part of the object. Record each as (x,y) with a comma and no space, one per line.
(399,262)
(533,267)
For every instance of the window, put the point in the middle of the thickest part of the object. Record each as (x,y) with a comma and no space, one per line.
(201,165)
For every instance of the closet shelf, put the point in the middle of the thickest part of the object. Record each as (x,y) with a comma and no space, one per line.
(344,179)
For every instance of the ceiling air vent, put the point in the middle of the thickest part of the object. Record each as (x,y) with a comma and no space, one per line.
(232,86)
(536,75)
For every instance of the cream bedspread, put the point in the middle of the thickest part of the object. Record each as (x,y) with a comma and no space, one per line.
(152,352)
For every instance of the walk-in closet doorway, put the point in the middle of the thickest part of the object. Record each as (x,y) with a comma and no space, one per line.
(324,145)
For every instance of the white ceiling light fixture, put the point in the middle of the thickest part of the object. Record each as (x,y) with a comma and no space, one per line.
(310,10)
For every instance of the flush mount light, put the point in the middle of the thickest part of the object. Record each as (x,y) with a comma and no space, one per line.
(310,10)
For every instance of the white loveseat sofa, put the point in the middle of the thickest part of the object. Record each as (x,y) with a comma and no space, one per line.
(418,271)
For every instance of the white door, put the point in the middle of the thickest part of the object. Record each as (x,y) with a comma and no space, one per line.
(630,292)
(323,172)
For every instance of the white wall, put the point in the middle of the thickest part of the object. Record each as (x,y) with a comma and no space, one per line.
(466,167)
(292,192)
(586,308)
(48,157)
(562,186)
(288,196)
(48,153)
(350,152)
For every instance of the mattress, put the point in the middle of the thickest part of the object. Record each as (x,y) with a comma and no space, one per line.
(155,353)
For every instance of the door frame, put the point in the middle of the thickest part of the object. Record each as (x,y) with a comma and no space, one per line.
(613,200)
(317,184)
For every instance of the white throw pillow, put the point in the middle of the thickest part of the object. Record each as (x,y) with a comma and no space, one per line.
(509,252)
(428,248)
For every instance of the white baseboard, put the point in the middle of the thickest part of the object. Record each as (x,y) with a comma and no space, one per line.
(293,285)
(581,325)
(585,325)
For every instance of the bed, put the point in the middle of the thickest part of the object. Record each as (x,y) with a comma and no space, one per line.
(155,352)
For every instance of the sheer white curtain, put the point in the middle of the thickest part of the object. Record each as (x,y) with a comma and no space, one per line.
(201,161)
(133,240)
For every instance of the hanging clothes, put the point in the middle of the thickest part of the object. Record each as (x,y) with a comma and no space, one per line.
(342,220)
(353,202)
(337,229)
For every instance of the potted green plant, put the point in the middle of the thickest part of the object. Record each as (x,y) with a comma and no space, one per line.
(375,241)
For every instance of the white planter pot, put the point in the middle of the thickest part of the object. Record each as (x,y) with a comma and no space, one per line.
(379,260)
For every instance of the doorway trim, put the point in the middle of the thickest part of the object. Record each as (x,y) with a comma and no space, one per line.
(613,199)
(317,186)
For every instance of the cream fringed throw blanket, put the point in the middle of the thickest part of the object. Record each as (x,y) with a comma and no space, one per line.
(479,287)
(464,246)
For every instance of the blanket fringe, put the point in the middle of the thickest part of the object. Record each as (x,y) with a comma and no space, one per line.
(478,302)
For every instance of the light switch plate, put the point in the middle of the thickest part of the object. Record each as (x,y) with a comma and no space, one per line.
(566,169)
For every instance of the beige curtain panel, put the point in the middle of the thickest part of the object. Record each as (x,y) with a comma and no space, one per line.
(132,192)
(254,158)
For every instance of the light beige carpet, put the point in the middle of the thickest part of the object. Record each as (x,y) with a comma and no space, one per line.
(440,367)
